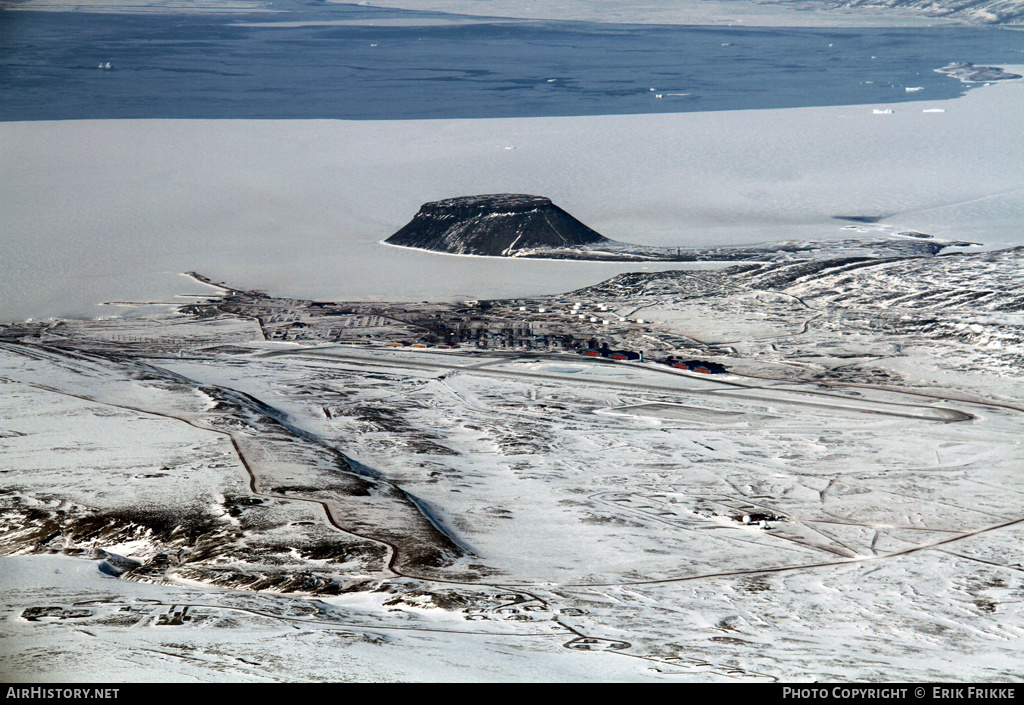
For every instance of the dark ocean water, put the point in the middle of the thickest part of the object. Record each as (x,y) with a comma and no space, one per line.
(208,66)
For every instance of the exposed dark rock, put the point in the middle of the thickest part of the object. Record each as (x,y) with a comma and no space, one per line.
(519,225)
(496,224)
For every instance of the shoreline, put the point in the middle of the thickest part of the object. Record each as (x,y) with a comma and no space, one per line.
(112,210)
(722,13)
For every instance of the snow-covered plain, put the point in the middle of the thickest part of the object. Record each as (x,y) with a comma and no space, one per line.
(844,506)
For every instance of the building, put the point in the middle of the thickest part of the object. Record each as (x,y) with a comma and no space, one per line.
(702,366)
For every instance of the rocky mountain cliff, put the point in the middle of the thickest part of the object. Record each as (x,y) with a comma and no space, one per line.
(501,225)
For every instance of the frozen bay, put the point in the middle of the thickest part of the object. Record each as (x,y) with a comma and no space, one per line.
(101,211)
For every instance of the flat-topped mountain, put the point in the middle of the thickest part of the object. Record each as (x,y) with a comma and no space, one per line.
(502,225)
(519,225)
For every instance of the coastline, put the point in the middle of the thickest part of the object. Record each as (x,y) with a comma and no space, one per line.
(112,210)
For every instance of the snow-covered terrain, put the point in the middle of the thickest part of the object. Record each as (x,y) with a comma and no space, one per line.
(371,463)
(751,13)
(504,514)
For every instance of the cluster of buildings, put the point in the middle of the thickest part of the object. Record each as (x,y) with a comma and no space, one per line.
(708,368)
(605,351)
(539,326)
(702,366)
